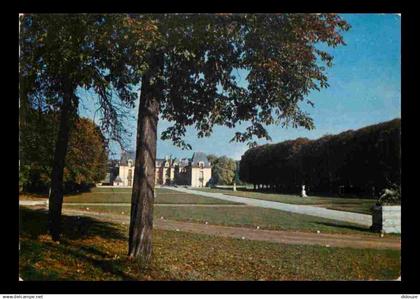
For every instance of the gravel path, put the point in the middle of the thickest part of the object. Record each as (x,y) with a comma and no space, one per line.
(274,236)
(361,219)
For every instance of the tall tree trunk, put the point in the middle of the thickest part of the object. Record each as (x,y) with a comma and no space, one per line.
(141,222)
(56,192)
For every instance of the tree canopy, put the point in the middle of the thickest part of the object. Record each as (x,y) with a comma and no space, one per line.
(102,54)
(108,53)
(223,170)
(278,52)
(355,160)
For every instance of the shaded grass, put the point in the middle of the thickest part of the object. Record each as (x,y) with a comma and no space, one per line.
(100,254)
(357,205)
(244,217)
(34,222)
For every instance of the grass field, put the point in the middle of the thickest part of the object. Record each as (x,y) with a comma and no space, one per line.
(97,251)
(166,196)
(358,205)
(123,195)
(123,190)
(161,198)
(243,216)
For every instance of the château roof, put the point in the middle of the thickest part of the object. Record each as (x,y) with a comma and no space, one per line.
(199,157)
(128,155)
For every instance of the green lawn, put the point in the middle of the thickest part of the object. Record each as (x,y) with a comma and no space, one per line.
(93,250)
(123,190)
(119,195)
(244,216)
(358,205)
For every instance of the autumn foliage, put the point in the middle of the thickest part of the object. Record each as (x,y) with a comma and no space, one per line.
(85,161)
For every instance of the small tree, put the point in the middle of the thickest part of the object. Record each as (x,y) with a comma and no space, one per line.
(223,171)
(87,157)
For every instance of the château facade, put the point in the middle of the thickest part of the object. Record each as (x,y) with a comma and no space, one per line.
(195,172)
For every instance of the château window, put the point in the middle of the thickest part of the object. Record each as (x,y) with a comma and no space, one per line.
(201,164)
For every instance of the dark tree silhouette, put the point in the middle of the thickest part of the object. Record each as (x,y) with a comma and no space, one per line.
(361,161)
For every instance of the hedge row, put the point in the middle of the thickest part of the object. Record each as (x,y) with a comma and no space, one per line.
(360,162)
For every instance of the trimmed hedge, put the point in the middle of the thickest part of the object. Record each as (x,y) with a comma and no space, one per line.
(361,162)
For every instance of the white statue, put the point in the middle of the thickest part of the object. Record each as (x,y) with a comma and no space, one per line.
(303,191)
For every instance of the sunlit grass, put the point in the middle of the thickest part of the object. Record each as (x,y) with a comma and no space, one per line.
(242,216)
(357,205)
(163,196)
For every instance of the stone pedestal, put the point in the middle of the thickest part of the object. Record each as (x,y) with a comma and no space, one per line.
(386,219)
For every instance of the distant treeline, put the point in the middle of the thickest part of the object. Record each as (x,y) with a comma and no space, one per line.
(360,162)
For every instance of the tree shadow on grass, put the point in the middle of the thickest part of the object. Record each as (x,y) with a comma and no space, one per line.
(33,274)
(347,226)
(62,259)
(35,222)
(97,259)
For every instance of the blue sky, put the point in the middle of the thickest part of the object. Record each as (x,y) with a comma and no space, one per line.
(365,88)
